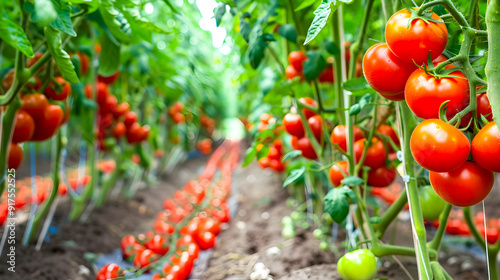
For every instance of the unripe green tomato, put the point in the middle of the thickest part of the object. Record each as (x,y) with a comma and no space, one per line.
(432,205)
(298,216)
(357,265)
(324,245)
(288,232)
(291,202)
(287,221)
(317,233)
(305,225)
(327,218)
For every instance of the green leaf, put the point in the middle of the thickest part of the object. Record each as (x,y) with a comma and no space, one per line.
(356,108)
(14,35)
(133,15)
(245,29)
(61,57)
(109,59)
(322,14)
(336,203)
(290,155)
(62,21)
(275,95)
(45,11)
(93,5)
(115,21)
(352,181)
(256,51)
(356,84)
(331,47)
(288,32)
(295,175)
(314,65)
(219,12)
(305,4)
(249,156)
(263,152)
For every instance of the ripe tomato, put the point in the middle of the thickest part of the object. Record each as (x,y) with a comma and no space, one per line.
(144,258)
(293,125)
(84,63)
(336,175)
(109,271)
(357,265)
(24,127)
(145,133)
(210,225)
(291,73)
(486,147)
(311,103)
(327,76)
(33,60)
(413,41)
(35,104)
(264,162)
(109,105)
(119,130)
(158,244)
(8,79)
(58,90)
(388,131)
(127,242)
(205,240)
(296,59)
(276,165)
(430,203)
(130,119)
(484,107)
(47,126)
(34,84)
(102,90)
(15,156)
(438,146)
(465,186)
(316,124)
(425,94)
(304,145)
(121,110)
(375,155)
(134,133)
(382,176)
(109,79)
(273,153)
(385,72)
(339,136)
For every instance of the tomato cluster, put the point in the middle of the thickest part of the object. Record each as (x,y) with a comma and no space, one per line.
(175,112)
(205,146)
(274,157)
(201,227)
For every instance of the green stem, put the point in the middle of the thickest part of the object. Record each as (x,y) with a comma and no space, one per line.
(473,229)
(492,70)
(443,220)
(388,250)
(391,213)
(338,69)
(40,216)
(7,128)
(111,181)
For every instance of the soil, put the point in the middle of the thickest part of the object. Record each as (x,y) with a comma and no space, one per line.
(253,236)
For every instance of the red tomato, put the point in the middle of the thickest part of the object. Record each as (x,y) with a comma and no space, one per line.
(304,145)
(121,110)
(339,136)
(327,76)
(273,153)
(492,234)
(33,60)
(84,63)
(144,258)
(58,90)
(35,104)
(24,127)
(158,244)
(265,117)
(425,94)
(119,130)
(34,84)
(210,225)
(47,126)
(316,124)
(291,73)
(293,125)
(264,162)
(453,227)
(276,165)
(413,41)
(484,107)
(293,142)
(109,79)
(15,156)
(465,186)
(375,155)
(163,227)
(382,176)
(311,103)
(145,133)
(296,59)
(385,72)
(130,119)
(8,79)
(102,90)
(336,175)
(278,144)
(388,131)
(438,146)
(205,240)
(486,147)
(109,106)
(109,271)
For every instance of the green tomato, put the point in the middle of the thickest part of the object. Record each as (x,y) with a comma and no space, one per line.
(357,265)
(288,232)
(323,245)
(317,233)
(287,221)
(432,205)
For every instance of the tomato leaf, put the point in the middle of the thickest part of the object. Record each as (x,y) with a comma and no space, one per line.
(352,181)
(62,19)
(295,175)
(134,17)
(14,35)
(314,65)
(275,95)
(219,12)
(245,29)
(109,59)
(249,156)
(356,108)
(291,154)
(263,152)
(322,14)
(336,203)
(305,4)
(288,32)
(115,21)
(93,5)
(330,47)
(256,51)
(61,57)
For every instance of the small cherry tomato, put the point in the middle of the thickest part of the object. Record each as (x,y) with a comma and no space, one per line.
(486,147)
(58,90)
(24,127)
(336,175)
(339,136)
(375,155)
(15,157)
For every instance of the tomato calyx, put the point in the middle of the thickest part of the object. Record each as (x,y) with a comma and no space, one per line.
(421,13)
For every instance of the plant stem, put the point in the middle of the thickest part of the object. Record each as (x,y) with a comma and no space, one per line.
(7,129)
(492,71)
(443,220)
(111,181)
(338,69)
(391,213)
